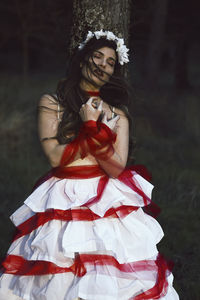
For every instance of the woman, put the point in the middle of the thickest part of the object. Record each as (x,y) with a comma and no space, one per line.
(82,232)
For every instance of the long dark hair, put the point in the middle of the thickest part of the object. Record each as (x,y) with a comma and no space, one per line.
(71,96)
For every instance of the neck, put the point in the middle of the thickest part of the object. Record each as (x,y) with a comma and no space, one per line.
(93,93)
(87,86)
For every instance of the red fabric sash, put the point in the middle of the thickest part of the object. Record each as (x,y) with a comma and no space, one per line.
(17,265)
(75,172)
(85,172)
(81,214)
(95,138)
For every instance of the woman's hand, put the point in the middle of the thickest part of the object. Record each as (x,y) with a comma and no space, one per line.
(89,112)
(111,123)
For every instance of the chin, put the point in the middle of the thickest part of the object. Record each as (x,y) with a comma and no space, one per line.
(99,83)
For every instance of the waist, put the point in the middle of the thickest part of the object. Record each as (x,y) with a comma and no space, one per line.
(86,161)
(78,172)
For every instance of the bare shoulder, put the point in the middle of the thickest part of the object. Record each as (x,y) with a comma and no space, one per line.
(50,102)
(111,110)
(120,112)
(47,100)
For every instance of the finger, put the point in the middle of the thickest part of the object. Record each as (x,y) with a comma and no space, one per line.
(100,107)
(104,119)
(116,118)
(90,100)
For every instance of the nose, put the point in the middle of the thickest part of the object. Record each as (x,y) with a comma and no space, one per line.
(103,62)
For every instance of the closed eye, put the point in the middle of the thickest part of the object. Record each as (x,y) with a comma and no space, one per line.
(110,60)
(111,64)
(97,55)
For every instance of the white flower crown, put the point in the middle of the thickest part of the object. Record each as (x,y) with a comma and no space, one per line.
(122,50)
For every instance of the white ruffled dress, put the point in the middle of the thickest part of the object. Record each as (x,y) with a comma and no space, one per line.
(105,258)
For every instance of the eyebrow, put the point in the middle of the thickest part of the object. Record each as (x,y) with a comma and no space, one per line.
(103,54)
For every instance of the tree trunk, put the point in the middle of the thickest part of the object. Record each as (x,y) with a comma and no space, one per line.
(156,43)
(112,15)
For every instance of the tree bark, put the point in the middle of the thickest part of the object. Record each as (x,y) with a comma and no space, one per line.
(156,43)
(112,15)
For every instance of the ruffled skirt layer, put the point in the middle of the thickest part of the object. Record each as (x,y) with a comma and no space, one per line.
(69,246)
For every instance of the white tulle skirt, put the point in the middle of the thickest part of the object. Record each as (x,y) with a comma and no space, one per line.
(118,256)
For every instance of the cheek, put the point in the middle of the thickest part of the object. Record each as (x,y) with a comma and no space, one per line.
(94,62)
(110,71)
(85,71)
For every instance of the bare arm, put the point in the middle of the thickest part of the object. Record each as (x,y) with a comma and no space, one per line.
(48,122)
(117,162)
(47,126)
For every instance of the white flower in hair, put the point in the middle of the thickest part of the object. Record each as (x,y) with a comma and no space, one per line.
(99,34)
(110,36)
(122,50)
(120,42)
(89,37)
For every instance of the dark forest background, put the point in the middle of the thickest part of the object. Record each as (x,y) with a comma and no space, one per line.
(165,74)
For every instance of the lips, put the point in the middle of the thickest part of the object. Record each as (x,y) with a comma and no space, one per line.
(99,72)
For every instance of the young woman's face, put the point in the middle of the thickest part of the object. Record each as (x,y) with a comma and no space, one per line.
(100,69)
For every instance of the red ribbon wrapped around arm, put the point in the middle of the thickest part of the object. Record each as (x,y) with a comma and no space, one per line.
(99,139)
(95,138)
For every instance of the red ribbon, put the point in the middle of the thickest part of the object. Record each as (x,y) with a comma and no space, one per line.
(17,265)
(95,138)
(79,214)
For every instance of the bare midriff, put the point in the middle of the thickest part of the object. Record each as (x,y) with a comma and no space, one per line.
(87,161)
